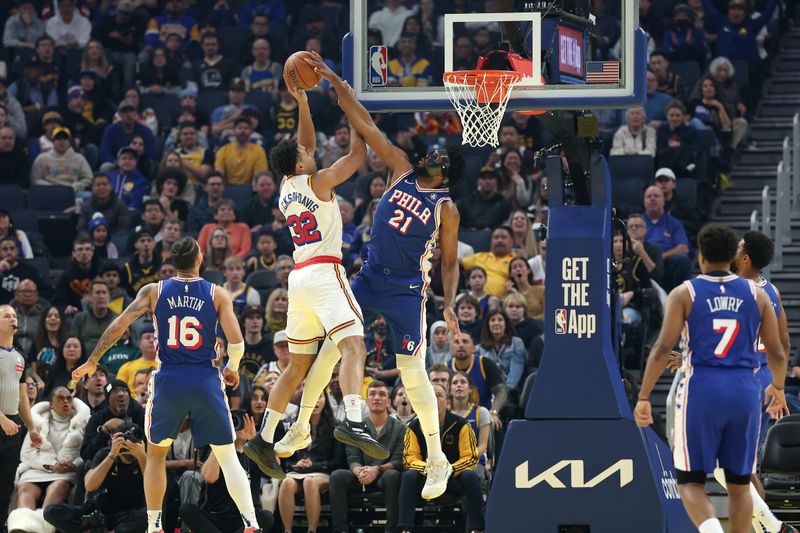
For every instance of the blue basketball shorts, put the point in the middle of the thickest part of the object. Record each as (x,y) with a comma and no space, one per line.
(717,420)
(765,380)
(400,299)
(196,390)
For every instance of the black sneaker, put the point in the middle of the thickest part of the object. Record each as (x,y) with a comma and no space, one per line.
(262,453)
(356,434)
(786,528)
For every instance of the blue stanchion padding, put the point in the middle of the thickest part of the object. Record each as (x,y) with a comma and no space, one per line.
(578,458)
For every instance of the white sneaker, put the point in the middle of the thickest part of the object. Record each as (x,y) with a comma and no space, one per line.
(297,438)
(437,472)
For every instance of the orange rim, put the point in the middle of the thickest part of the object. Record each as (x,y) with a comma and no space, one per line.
(491,86)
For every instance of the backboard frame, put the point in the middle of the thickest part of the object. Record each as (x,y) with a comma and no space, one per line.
(630,92)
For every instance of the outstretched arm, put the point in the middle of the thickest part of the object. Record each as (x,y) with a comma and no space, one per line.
(306,135)
(327,178)
(448,244)
(361,120)
(140,305)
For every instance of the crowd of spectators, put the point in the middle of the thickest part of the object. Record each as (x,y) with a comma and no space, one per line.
(157,117)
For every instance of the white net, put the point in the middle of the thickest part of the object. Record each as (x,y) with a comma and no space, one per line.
(480,97)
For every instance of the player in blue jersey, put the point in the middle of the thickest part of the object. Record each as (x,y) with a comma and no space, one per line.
(754,254)
(186,311)
(414,215)
(718,409)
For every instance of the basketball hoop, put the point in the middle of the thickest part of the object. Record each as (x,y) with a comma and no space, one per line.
(480,97)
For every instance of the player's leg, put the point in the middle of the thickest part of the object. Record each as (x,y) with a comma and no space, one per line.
(164,416)
(303,330)
(697,504)
(406,319)
(696,441)
(155,483)
(211,424)
(237,483)
(341,317)
(319,375)
(740,507)
(762,516)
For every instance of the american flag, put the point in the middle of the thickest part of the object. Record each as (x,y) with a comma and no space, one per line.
(602,72)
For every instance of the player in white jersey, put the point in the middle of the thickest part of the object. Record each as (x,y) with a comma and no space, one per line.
(321,304)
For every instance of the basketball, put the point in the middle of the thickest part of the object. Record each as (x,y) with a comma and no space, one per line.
(299,72)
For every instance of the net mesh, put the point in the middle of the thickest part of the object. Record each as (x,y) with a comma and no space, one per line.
(480,97)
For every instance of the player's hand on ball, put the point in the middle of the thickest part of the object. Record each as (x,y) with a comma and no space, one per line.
(231,377)
(776,402)
(86,369)
(643,414)
(320,67)
(298,93)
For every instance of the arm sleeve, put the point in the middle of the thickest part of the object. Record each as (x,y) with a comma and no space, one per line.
(412,454)
(92,440)
(680,233)
(467,450)
(30,456)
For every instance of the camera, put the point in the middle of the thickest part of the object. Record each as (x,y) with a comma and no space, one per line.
(134,434)
(93,520)
(238,419)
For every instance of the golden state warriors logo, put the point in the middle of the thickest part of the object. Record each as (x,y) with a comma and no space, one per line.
(561,321)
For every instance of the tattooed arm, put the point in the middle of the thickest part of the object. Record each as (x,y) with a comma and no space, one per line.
(115,330)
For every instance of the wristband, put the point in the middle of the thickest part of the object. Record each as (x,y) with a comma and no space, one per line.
(235,353)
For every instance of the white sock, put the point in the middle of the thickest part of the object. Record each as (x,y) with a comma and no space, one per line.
(318,377)
(352,407)
(153,521)
(762,513)
(711,525)
(270,423)
(236,481)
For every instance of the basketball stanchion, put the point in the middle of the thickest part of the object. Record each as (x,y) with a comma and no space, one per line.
(577,462)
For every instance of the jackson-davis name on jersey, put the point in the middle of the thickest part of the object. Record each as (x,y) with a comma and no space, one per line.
(300,198)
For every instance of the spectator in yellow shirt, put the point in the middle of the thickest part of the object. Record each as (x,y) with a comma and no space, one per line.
(240,160)
(495,262)
(147,345)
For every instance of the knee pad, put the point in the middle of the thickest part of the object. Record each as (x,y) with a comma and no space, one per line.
(412,371)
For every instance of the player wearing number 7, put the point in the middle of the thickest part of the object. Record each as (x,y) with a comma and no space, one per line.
(186,310)
(414,215)
(718,404)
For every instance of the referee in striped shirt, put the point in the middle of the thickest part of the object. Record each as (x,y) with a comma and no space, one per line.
(14,408)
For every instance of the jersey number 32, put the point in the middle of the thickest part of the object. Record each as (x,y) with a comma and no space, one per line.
(304,228)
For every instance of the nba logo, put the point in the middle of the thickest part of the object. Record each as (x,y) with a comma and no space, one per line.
(377,65)
(561,321)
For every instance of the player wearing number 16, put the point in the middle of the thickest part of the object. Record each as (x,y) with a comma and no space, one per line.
(717,407)
(186,311)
